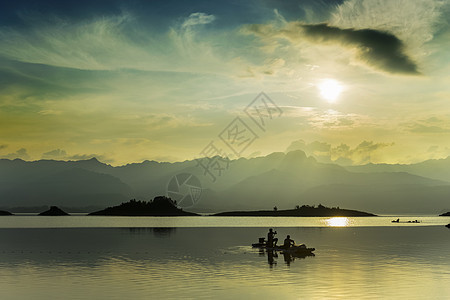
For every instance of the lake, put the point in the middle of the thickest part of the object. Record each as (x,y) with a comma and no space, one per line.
(81,257)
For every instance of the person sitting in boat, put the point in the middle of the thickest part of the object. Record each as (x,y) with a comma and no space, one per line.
(288,242)
(271,239)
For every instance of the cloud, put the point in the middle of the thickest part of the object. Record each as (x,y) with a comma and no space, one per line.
(58,42)
(3,146)
(379,49)
(414,22)
(55,154)
(21,154)
(422,128)
(431,125)
(342,154)
(361,154)
(198,18)
(99,157)
(114,42)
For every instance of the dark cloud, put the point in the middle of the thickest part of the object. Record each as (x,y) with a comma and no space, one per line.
(379,49)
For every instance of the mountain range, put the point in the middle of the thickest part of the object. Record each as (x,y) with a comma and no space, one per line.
(279,179)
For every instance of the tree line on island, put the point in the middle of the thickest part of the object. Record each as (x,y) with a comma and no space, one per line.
(165,206)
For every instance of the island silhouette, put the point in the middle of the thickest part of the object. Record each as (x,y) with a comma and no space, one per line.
(54,211)
(5,213)
(299,211)
(160,206)
(447,214)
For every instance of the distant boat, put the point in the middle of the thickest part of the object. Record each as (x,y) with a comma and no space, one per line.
(398,221)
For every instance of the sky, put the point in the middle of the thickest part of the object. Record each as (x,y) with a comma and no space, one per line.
(351,82)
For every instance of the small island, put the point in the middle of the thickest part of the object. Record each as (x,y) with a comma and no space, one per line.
(5,213)
(54,211)
(159,207)
(299,211)
(447,214)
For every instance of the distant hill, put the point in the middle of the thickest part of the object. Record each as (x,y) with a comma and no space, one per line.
(438,169)
(447,214)
(298,179)
(54,211)
(5,213)
(160,206)
(278,179)
(303,211)
(59,183)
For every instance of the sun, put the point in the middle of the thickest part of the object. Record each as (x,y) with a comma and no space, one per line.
(330,89)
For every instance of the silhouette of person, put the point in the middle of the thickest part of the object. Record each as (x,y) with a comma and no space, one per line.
(288,242)
(271,239)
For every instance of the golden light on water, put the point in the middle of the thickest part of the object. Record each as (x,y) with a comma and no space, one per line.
(337,222)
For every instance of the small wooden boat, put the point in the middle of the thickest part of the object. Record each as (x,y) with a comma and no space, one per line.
(296,249)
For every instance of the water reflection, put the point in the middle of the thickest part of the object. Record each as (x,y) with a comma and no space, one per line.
(337,222)
(353,262)
(272,256)
(161,232)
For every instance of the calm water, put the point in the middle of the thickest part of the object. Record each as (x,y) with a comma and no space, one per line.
(200,261)
(34,221)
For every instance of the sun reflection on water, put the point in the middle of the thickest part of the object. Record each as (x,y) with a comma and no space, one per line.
(337,222)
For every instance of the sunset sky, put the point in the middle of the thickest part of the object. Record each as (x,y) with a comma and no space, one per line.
(354,81)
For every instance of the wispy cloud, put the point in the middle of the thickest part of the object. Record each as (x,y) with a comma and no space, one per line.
(198,18)
(115,42)
(431,125)
(414,22)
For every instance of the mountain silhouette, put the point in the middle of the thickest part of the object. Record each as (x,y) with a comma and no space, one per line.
(281,179)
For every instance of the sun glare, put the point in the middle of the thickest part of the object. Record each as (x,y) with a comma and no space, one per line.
(330,89)
(337,222)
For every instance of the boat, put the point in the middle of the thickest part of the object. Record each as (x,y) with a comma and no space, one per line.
(295,250)
(398,221)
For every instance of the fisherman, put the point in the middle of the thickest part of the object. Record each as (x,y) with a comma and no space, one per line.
(288,242)
(271,239)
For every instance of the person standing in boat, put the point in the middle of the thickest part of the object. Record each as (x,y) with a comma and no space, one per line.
(288,242)
(271,239)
